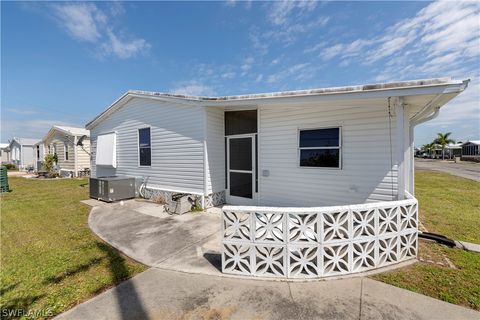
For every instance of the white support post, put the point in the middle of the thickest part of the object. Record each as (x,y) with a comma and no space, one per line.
(411,172)
(400,146)
(75,156)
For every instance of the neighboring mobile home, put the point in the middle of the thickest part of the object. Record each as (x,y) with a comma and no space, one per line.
(21,152)
(4,153)
(63,141)
(39,155)
(471,150)
(333,146)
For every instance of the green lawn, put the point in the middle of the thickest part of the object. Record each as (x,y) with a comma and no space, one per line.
(50,260)
(450,206)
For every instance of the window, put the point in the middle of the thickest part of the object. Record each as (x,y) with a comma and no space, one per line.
(320,148)
(38,151)
(66,151)
(144,147)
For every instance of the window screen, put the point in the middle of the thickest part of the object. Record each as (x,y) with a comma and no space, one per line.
(144,147)
(320,148)
(240,122)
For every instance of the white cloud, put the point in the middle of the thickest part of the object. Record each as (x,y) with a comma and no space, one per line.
(87,22)
(300,71)
(124,48)
(289,20)
(248,63)
(281,12)
(194,88)
(228,75)
(30,128)
(465,106)
(444,29)
(19,111)
(80,20)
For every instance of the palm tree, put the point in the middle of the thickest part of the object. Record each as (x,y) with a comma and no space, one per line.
(430,148)
(443,140)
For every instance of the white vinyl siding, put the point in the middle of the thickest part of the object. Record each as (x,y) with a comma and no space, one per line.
(366,172)
(83,158)
(177,144)
(58,142)
(215,150)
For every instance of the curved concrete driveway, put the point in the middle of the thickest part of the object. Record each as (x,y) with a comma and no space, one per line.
(191,243)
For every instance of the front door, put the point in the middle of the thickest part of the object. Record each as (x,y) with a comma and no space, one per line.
(241,170)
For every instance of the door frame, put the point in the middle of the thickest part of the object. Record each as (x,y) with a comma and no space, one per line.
(235,200)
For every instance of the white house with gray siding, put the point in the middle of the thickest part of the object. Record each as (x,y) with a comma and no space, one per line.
(63,141)
(21,152)
(320,147)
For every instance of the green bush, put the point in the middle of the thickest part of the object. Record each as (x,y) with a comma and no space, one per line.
(49,163)
(11,166)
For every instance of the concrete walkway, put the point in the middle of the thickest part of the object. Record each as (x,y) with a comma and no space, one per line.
(464,169)
(185,283)
(162,294)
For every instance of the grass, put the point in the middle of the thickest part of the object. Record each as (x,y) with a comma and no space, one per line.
(50,260)
(448,205)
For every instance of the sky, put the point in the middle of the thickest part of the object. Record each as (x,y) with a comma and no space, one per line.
(64,62)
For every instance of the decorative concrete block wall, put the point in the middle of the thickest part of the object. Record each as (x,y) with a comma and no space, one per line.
(318,242)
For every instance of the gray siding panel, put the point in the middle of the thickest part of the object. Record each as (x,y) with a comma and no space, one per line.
(177,144)
(366,173)
(215,150)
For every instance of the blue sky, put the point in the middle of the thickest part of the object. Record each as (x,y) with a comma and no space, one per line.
(63,63)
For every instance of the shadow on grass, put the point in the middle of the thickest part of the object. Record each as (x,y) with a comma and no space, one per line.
(129,304)
(8,288)
(74,271)
(23,304)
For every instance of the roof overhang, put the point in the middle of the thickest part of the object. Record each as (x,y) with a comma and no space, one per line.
(437,92)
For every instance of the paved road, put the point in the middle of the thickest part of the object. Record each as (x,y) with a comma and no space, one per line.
(464,169)
(179,245)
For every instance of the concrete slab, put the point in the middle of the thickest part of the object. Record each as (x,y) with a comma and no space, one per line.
(162,294)
(470,246)
(153,237)
(382,301)
(331,299)
(185,281)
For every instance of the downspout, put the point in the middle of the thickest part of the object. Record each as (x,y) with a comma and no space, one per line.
(21,156)
(205,159)
(413,124)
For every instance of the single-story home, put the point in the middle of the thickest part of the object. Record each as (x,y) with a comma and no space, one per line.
(39,155)
(318,147)
(64,142)
(4,153)
(471,150)
(21,152)
(453,150)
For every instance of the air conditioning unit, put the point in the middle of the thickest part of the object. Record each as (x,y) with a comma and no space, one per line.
(113,188)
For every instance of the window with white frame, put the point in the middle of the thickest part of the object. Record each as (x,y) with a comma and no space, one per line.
(66,151)
(320,147)
(144,147)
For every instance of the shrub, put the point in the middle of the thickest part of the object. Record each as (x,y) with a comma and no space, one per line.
(11,166)
(49,163)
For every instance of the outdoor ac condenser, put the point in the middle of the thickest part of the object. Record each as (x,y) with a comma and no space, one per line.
(113,188)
